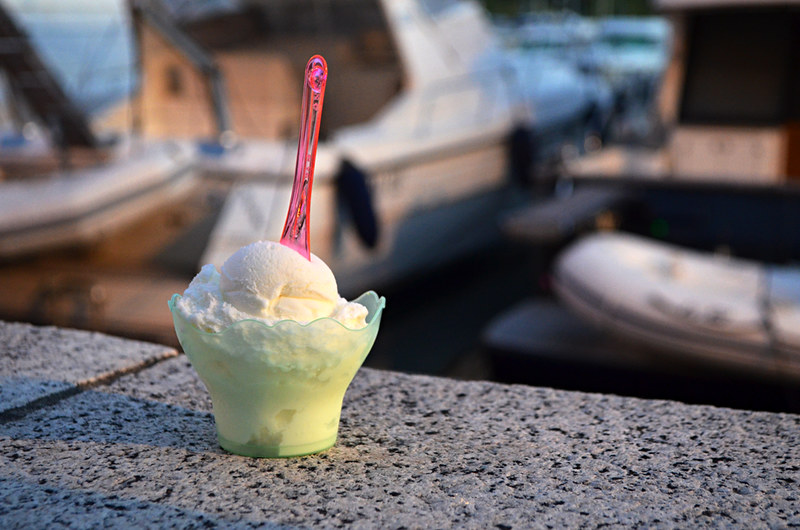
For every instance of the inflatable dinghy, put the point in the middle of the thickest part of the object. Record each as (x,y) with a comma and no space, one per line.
(725,313)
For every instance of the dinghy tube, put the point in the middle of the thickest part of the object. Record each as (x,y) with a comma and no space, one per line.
(692,307)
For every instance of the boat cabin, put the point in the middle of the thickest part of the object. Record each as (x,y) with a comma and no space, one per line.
(261,49)
(736,90)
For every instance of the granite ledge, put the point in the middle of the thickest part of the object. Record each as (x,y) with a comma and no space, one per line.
(413,452)
(43,363)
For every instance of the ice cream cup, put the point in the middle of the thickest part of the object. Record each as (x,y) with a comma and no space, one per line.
(277,390)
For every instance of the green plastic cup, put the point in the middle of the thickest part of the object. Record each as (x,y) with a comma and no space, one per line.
(277,390)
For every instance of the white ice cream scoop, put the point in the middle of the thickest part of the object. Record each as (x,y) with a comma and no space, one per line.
(271,281)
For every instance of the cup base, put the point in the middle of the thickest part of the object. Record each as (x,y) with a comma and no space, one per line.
(276,451)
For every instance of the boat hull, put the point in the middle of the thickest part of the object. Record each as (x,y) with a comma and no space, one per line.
(81,206)
(430,208)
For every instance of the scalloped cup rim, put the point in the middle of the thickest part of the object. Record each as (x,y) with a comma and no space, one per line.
(380,305)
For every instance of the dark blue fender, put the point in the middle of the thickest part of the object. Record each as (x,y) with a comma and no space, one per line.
(521,154)
(355,197)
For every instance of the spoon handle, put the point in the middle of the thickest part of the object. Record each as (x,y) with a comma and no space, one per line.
(295,229)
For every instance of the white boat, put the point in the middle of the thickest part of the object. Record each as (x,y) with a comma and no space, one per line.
(699,309)
(66,184)
(415,128)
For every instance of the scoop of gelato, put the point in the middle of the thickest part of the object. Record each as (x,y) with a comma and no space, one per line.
(269,282)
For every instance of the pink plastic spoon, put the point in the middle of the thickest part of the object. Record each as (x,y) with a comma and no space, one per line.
(295,229)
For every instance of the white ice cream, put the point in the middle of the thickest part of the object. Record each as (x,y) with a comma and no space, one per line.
(269,282)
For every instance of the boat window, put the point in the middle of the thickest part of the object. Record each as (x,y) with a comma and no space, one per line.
(742,68)
(174,80)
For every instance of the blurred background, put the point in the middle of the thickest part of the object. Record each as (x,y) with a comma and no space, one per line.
(599,195)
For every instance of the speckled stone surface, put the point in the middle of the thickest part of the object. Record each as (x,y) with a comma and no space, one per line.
(413,452)
(41,362)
